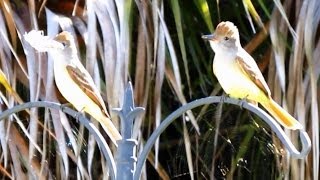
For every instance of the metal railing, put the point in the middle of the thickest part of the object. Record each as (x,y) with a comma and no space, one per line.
(126,165)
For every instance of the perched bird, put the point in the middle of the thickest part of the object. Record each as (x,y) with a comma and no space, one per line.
(239,75)
(73,80)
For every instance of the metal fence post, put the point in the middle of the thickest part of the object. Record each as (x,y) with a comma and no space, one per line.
(126,155)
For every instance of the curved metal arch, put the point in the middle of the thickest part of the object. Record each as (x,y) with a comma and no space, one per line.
(91,128)
(305,140)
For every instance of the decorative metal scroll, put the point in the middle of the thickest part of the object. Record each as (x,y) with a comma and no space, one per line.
(127,166)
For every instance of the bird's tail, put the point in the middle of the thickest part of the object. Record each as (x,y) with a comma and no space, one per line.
(109,128)
(281,115)
(95,111)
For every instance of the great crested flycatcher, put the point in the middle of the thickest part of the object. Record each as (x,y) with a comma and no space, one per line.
(73,80)
(239,75)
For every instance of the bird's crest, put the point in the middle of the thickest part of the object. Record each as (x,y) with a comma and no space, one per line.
(227,29)
(65,37)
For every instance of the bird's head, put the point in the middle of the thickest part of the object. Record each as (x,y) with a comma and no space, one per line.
(67,43)
(66,39)
(63,45)
(225,37)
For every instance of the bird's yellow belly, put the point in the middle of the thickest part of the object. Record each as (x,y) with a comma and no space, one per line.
(236,83)
(71,91)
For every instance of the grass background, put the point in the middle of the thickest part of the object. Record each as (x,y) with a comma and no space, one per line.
(157,45)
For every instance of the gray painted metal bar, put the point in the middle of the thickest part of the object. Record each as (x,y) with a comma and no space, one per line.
(305,140)
(103,145)
(127,166)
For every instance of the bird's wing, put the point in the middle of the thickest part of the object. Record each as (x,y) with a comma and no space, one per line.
(250,67)
(85,82)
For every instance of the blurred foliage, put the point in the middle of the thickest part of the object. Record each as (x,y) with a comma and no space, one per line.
(157,45)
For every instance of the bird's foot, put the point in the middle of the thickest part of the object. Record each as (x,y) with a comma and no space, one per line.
(78,114)
(243,101)
(69,105)
(63,106)
(223,97)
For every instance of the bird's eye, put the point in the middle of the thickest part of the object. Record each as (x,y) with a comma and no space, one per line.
(64,44)
(226,38)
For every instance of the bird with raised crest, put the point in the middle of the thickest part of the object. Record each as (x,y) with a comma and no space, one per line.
(239,75)
(72,79)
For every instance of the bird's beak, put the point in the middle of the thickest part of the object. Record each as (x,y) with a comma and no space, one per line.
(209,37)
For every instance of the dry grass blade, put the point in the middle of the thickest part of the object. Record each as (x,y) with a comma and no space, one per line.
(310,33)
(257,39)
(59,128)
(178,21)
(21,148)
(295,94)
(43,163)
(174,60)
(19,122)
(284,16)
(90,41)
(175,80)
(124,8)
(217,117)
(245,4)
(3,141)
(174,73)
(203,8)
(16,162)
(11,91)
(187,145)
(302,89)
(144,74)
(7,10)
(33,67)
(5,173)
(90,158)
(279,38)
(160,70)
(109,24)
(8,45)
(248,6)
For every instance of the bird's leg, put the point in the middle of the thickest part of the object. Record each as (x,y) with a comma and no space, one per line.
(243,100)
(253,102)
(223,97)
(62,106)
(69,105)
(79,113)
